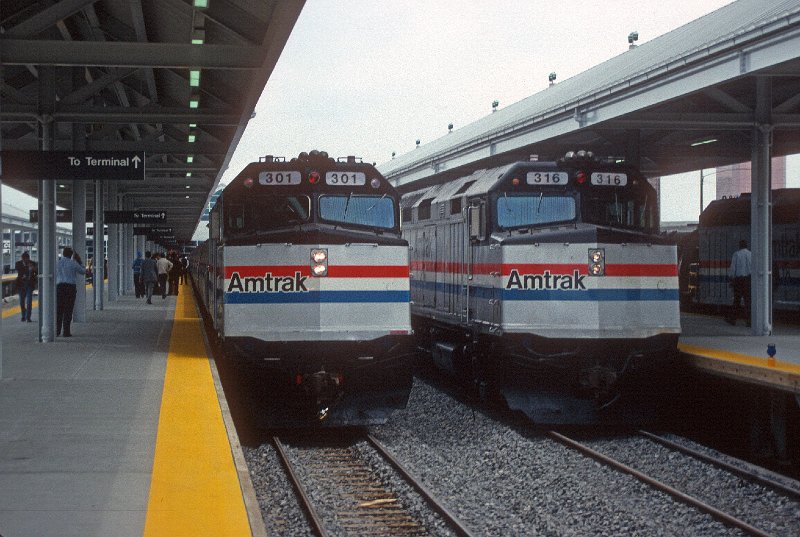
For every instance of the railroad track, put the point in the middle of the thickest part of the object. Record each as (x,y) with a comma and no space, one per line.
(342,494)
(721,514)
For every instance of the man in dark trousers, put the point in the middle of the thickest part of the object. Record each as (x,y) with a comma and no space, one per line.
(740,275)
(69,274)
(27,272)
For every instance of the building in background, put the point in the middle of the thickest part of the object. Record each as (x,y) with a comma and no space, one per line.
(734,180)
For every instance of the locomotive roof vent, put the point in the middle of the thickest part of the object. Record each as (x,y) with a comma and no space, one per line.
(350,159)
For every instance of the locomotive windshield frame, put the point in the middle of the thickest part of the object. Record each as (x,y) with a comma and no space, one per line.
(278,196)
(533,194)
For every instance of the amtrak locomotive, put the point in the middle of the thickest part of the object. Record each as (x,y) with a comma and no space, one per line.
(546,283)
(306,275)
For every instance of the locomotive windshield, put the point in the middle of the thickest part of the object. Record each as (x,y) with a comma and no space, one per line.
(620,208)
(533,210)
(371,211)
(265,213)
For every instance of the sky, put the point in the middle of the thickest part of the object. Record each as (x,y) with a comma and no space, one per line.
(370,77)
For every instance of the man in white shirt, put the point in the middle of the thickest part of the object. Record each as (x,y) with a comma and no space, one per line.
(740,277)
(163,265)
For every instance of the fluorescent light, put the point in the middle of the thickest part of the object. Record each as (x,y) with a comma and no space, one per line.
(192,138)
(192,125)
(703,142)
(190,159)
(188,174)
(201,3)
(194,102)
(194,78)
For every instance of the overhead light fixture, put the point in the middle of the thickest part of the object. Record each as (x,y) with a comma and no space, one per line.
(190,159)
(192,138)
(194,78)
(201,4)
(194,102)
(192,125)
(703,142)
(188,174)
(188,187)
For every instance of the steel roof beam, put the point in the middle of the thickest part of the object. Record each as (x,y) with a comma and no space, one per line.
(48,18)
(128,54)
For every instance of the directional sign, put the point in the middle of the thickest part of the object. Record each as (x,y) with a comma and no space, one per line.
(62,215)
(134,217)
(73,165)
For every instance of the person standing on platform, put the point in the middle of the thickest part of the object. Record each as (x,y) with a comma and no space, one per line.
(184,269)
(174,273)
(138,286)
(149,275)
(740,279)
(164,266)
(27,272)
(68,269)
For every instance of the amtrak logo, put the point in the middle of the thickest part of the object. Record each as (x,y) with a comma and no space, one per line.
(268,284)
(546,281)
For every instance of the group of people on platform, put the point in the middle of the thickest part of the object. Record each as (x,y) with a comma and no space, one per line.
(153,273)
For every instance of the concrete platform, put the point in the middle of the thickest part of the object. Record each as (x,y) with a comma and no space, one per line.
(713,345)
(82,419)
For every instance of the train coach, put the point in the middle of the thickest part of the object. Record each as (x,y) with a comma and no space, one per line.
(305,276)
(722,225)
(547,284)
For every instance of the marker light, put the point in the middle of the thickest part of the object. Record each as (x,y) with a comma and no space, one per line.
(375,183)
(313,177)
(597,262)
(248,182)
(319,262)
(580,177)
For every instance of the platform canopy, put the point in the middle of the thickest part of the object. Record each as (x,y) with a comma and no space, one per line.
(175,79)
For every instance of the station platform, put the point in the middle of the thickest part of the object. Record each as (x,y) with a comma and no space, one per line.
(121,429)
(714,346)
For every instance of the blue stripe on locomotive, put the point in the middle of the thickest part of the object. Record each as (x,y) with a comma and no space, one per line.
(318,297)
(593,295)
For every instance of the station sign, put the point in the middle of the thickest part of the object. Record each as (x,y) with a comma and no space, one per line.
(134,217)
(62,215)
(74,165)
(152,230)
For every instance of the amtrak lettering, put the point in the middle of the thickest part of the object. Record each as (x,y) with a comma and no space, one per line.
(268,284)
(567,282)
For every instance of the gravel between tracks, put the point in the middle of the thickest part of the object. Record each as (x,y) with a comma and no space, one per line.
(502,480)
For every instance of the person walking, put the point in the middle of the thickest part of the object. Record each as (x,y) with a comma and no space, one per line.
(164,266)
(27,272)
(68,268)
(740,279)
(137,275)
(149,275)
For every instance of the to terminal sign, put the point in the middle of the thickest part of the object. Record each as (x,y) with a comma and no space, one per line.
(134,217)
(73,165)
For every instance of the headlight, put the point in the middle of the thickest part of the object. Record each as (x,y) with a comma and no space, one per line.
(597,262)
(319,262)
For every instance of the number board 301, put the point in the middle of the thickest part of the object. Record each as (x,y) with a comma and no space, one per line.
(279,178)
(345,178)
(546,178)
(609,179)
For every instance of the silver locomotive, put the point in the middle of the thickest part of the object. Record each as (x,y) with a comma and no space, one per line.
(546,284)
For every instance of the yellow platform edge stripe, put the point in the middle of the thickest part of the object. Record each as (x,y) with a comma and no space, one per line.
(736,357)
(195,487)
